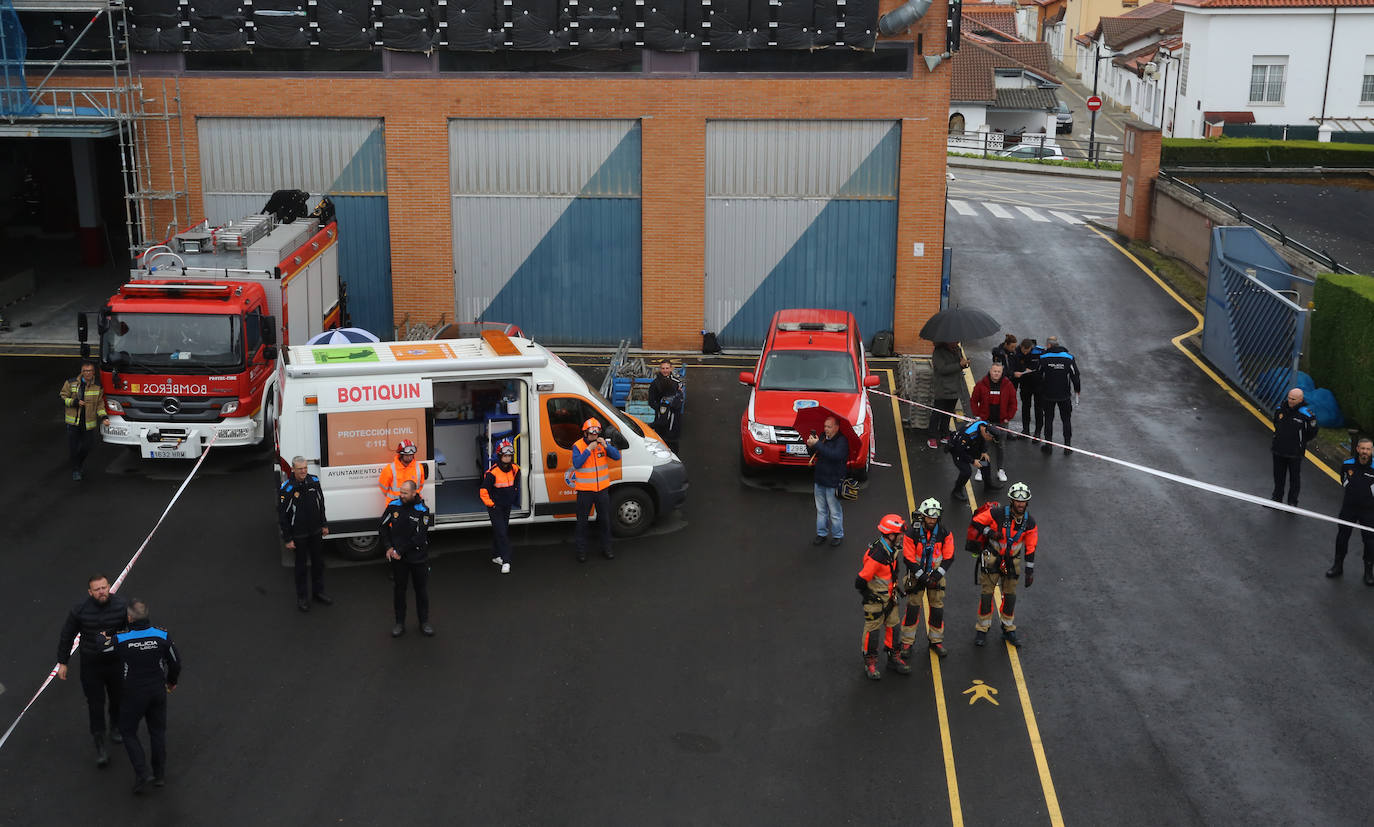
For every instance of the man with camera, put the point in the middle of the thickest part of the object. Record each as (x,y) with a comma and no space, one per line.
(592,456)
(830,455)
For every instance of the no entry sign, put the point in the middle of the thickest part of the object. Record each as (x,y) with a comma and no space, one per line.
(1094,103)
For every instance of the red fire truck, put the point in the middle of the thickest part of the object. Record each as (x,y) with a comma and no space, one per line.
(188,347)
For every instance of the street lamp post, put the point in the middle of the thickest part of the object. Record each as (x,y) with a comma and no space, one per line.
(1092,127)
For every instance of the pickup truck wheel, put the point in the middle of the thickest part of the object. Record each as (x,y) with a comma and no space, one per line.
(745,469)
(632,511)
(357,548)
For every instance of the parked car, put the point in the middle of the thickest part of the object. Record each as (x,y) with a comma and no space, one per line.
(1063,118)
(810,358)
(1029,150)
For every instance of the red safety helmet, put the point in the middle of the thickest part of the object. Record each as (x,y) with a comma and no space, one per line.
(405,446)
(591,423)
(892,524)
(505,447)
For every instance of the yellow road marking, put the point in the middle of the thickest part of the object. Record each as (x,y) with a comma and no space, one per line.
(956,808)
(1203,366)
(1042,764)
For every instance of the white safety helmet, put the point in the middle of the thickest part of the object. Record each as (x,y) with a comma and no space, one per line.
(930,508)
(1019,492)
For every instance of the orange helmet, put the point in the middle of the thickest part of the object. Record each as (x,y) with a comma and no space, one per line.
(591,423)
(405,446)
(891,524)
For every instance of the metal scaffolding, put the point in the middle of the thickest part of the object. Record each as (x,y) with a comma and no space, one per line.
(100,97)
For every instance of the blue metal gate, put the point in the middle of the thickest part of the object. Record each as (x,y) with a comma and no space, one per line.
(1253,328)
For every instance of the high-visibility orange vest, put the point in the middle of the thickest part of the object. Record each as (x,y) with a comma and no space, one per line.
(595,473)
(395,474)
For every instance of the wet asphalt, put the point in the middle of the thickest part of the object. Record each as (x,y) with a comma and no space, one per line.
(1185,660)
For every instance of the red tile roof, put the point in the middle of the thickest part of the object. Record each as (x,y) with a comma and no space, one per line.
(1120,31)
(1272,4)
(1001,18)
(975,65)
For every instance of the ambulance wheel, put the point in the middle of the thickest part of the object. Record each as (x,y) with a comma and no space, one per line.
(358,548)
(633,510)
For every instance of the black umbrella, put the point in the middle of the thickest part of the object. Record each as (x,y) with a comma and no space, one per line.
(959,324)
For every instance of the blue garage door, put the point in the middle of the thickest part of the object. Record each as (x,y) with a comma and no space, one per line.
(243,160)
(799,214)
(546,227)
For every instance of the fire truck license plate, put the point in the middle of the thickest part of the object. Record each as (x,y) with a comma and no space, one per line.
(184,451)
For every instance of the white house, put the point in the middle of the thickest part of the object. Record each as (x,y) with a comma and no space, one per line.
(999,88)
(1132,54)
(1278,62)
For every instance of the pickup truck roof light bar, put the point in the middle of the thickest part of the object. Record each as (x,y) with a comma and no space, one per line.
(826,327)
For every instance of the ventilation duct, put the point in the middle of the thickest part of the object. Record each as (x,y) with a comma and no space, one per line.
(900,19)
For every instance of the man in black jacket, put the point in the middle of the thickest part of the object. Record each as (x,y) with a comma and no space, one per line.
(1059,388)
(1357,506)
(151,668)
(300,513)
(96,618)
(1295,425)
(831,458)
(405,536)
(666,398)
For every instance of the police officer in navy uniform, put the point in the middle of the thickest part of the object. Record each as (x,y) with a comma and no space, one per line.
(96,618)
(969,446)
(300,513)
(1059,387)
(405,536)
(152,667)
(1295,425)
(1357,475)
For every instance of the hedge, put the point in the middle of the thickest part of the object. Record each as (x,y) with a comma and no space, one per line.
(1342,343)
(1258,152)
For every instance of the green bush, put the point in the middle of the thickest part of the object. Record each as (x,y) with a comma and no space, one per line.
(1258,152)
(1342,357)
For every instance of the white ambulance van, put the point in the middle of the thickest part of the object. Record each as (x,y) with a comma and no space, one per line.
(345,407)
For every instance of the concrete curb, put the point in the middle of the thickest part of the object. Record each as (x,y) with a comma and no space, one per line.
(1033,169)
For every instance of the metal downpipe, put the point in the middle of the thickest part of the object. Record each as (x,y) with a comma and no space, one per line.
(900,19)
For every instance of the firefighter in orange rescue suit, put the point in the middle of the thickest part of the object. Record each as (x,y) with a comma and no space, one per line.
(500,491)
(877,584)
(1005,535)
(402,469)
(591,459)
(928,549)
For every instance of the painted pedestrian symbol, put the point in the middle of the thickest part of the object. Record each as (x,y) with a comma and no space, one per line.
(981,692)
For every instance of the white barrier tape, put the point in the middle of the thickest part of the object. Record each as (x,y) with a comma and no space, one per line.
(115,585)
(1205,486)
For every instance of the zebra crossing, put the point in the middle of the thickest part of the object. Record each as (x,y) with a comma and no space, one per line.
(1012,212)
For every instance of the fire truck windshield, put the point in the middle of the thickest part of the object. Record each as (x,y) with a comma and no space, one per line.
(176,342)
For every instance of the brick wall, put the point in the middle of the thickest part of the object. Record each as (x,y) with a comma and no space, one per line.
(1139,168)
(673,110)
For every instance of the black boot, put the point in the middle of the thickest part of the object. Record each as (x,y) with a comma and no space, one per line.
(1010,637)
(958,494)
(981,638)
(102,757)
(1337,567)
(871,668)
(1369,574)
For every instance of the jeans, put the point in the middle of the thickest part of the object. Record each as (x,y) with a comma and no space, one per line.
(829,517)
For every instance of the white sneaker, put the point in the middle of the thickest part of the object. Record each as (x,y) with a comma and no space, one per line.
(505,568)
(1001,475)
(496,560)
(978,475)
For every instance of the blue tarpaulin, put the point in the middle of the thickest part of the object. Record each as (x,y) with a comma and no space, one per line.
(14,92)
